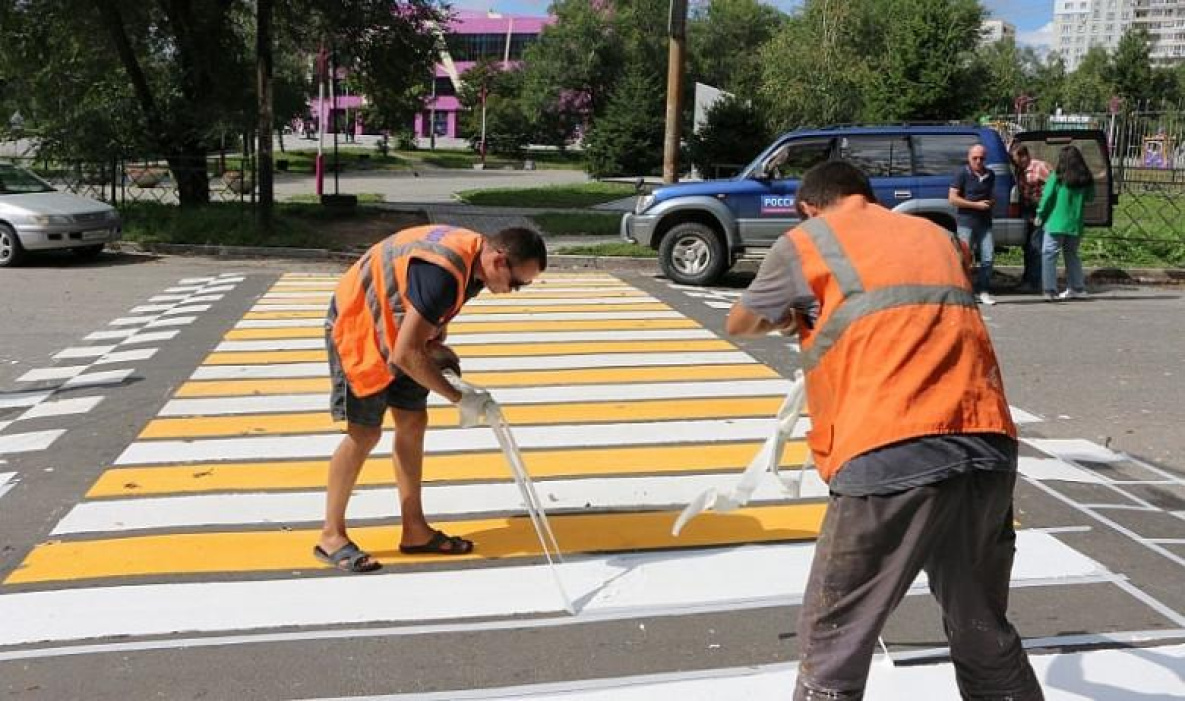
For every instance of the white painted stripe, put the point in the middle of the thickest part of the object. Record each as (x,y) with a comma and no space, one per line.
(480,318)
(719,305)
(167,298)
(99,379)
(622,584)
(491,303)
(279,403)
(543,362)
(453,440)
(27,442)
(7,482)
(4,425)
(195,280)
(9,400)
(127,356)
(188,309)
(529,292)
(231,277)
(1054,469)
(1020,416)
(183,288)
(146,308)
(217,288)
(203,298)
(62,407)
(58,373)
(152,337)
(1075,449)
(83,352)
(461,339)
(109,335)
(669,492)
(172,321)
(1110,678)
(130,320)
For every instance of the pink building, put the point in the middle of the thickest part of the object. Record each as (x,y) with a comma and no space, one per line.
(471,37)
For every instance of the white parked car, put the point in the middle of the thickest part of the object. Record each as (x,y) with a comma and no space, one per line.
(36,217)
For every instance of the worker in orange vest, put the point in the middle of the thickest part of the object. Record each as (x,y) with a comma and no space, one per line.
(909,427)
(385,333)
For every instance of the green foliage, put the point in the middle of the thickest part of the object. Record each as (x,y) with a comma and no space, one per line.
(734,132)
(724,41)
(553,197)
(1089,87)
(577,223)
(616,250)
(628,138)
(1130,69)
(507,128)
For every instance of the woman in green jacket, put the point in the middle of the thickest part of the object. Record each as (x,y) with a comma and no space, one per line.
(1060,211)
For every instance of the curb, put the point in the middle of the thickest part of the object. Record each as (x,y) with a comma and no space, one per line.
(1100,275)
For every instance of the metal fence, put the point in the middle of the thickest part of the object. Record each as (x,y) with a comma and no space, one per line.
(1147,151)
(120,181)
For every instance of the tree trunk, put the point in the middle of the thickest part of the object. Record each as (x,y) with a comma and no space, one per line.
(189,170)
(263,61)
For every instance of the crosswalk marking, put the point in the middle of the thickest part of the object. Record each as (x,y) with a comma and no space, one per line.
(539,378)
(587,321)
(481,338)
(466,467)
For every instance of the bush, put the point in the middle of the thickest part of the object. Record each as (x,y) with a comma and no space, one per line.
(628,138)
(733,133)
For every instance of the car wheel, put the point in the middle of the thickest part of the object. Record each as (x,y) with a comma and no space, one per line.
(11,252)
(692,254)
(88,252)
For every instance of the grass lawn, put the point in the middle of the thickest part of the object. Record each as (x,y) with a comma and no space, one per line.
(350,159)
(363,198)
(453,158)
(552,197)
(622,249)
(298,225)
(577,223)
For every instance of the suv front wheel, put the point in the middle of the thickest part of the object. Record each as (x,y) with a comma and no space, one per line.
(692,254)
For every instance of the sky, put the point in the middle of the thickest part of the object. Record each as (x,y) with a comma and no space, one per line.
(1033,18)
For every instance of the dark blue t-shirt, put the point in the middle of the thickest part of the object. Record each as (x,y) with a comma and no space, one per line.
(975,188)
(433,290)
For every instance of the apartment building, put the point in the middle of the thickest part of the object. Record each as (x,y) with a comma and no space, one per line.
(994,30)
(1081,24)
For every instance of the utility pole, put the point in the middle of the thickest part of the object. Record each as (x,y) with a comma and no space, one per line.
(677,29)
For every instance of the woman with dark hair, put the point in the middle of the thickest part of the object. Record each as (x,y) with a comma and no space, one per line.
(1060,211)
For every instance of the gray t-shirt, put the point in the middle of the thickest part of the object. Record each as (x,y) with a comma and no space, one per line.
(779,289)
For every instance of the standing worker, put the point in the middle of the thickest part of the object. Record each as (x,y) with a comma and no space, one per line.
(910,428)
(385,334)
(1031,175)
(972,192)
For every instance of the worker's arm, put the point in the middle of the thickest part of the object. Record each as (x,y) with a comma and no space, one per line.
(963,203)
(413,354)
(743,322)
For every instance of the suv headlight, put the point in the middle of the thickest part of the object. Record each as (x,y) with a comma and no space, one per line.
(643,203)
(50,219)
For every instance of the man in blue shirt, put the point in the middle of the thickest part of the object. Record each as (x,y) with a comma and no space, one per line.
(972,193)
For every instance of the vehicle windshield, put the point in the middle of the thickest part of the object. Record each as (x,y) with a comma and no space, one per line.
(18,181)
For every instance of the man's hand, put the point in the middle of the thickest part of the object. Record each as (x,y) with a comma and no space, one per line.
(986,205)
(474,406)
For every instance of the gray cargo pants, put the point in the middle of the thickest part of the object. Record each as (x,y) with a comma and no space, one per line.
(871,549)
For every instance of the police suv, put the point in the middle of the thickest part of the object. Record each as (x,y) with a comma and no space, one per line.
(701,229)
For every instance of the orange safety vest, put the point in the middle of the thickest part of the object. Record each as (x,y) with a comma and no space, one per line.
(371,298)
(899,349)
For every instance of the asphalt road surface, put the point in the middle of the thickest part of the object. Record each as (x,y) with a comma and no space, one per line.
(163,439)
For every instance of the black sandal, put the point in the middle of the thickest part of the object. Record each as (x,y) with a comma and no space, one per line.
(440,544)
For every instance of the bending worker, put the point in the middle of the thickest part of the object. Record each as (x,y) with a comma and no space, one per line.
(910,428)
(385,334)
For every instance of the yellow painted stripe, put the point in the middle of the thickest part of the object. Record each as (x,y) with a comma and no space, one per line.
(495,538)
(494,350)
(482,311)
(488,466)
(538,378)
(489,327)
(324,298)
(520,415)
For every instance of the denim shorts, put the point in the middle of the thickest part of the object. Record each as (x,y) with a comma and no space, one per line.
(403,393)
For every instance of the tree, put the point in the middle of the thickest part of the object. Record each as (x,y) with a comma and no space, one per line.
(1089,87)
(1003,77)
(724,42)
(734,132)
(508,131)
(628,138)
(1130,70)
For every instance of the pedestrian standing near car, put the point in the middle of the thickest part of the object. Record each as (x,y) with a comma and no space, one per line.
(385,334)
(1060,212)
(1031,175)
(972,192)
(910,428)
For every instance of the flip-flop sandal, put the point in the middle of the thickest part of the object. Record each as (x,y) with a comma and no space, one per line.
(440,544)
(348,558)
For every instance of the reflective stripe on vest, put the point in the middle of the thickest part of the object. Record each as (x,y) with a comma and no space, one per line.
(857,303)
